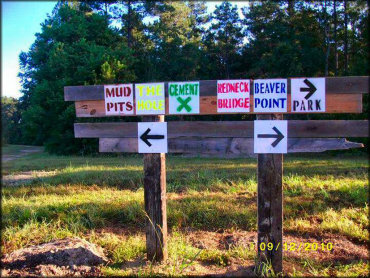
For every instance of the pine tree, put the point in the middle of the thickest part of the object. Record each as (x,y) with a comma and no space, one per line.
(224,39)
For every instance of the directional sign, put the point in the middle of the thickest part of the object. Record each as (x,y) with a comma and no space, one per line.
(270,95)
(150,99)
(152,137)
(183,97)
(308,95)
(233,96)
(270,136)
(119,99)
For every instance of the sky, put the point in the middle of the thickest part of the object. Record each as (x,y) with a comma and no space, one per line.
(20,21)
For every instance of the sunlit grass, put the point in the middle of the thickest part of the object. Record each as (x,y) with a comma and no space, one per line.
(90,196)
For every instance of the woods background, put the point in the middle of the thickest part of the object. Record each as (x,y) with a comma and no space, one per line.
(104,42)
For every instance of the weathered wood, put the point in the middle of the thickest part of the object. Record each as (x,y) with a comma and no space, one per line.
(245,129)
(334,85)
(226,147)
(270,207)
(91,92)
(335,103)
(155,202)
(348,84)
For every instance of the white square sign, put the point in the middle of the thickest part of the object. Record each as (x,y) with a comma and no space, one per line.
(119,99)
(150,99)
(308,95)
(152,137)
(270,95)
(270,136)
(233,96)
(183,97)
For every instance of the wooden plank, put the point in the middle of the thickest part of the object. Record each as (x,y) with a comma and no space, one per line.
(348,84)
(226,147)
(155,202)
(334,85)
(91,92)
(335,103)
(96,130)
(228,129)
(270,207)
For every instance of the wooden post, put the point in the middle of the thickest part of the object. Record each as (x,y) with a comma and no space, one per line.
(270,207)
(155,201)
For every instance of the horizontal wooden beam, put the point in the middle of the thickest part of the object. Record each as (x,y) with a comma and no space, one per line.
(335,103)
(227,129)
(334,85)
(226,147)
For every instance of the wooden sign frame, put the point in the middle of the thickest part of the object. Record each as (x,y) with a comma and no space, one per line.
(343,95)
(224,139)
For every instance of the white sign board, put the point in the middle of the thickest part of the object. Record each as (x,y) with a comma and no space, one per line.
(183,97)
(270,95)
(308,95)
(233,96)
(152,137)
(150,99)
(119,99)
(270,136)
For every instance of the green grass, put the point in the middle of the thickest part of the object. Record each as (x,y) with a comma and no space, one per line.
(100,198)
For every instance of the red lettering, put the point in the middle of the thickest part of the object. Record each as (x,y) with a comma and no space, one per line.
(109,106)
(109,94)
(129,106)
(237,87)
(119,91)
(246,103)
(121,106)
(127,91)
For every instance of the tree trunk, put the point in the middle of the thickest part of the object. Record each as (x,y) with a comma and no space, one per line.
(129,24)
(335,39)
(327,40)
(291,7)
(345,38)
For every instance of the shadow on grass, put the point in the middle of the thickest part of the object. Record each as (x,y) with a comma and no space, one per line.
(210,212)
(319,200)
(181,177)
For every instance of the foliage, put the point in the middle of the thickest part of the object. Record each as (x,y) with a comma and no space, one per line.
(10,119)
(75,47)
(102,42)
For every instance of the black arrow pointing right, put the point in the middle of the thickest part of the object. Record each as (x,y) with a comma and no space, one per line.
(311,88)
(145,137)
(279,136)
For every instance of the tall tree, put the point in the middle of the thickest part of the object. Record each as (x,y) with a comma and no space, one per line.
(224,38)
(74,47)
(275,49)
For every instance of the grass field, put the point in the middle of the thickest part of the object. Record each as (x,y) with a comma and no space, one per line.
(211,202)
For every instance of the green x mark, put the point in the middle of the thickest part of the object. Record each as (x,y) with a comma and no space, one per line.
(184,104)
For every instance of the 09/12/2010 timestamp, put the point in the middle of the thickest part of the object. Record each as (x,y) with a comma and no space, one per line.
(291,246)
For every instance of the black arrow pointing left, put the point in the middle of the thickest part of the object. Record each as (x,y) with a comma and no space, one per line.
(145,137)
(311,89)
(279,136)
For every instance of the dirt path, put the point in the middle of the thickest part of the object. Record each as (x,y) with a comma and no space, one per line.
(19,151)
(23,151)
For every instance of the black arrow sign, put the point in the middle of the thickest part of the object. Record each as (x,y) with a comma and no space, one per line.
(279,136)
(145,137)
(311,88)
